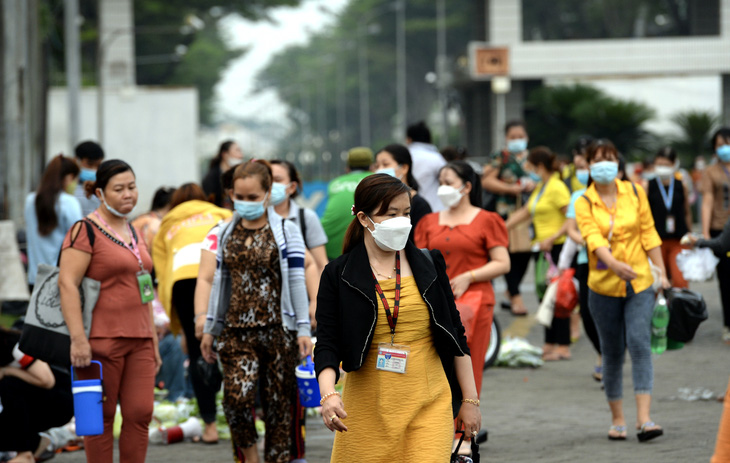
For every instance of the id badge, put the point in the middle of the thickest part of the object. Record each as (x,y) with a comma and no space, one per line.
(670,224)
(145,286)
(600,265)
(392,357)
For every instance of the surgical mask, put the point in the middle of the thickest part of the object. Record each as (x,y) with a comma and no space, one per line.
(723,153)
(664,172)
(250,210)
(648,175)
(583,175)
(87,175)
(388,170)
(534,176)
(71,187)
(233,162)
(517,145)
(604,172)
(391,234)
(114,211)
(449,195)
(278,193)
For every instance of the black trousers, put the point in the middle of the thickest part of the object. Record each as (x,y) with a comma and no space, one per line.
(559,330)
(581,273)
(518,266)
(183,295)
(28,410)
(723,277)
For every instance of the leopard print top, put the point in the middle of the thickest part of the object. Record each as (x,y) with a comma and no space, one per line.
(253,259)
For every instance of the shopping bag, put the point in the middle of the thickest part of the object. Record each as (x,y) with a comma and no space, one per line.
(567,295)
(546,310)
(687,309)
(545,272)
(468,305)
(697,264)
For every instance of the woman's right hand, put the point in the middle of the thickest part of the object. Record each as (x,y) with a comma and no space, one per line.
(623,270)
(80,352)
(206,348)
(334,408)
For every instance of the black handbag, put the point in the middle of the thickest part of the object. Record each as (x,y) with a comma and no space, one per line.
(474,458)
(687,309)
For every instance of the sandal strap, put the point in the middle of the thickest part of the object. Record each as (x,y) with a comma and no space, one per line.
(648,424)
(618,428)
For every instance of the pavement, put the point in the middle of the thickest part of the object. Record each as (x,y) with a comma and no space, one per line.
(558,413)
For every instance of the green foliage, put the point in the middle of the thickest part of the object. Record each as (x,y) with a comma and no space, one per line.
(695,131)
(557,116)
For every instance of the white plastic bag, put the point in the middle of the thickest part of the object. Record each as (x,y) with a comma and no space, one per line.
(697,264)
(545,312)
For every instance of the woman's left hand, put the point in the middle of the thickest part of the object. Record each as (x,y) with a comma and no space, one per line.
(471,418)
(546,245)
(305,346)
(665,282)
(460,284)
(158,360)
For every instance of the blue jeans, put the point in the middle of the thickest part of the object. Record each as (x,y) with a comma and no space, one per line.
(172,372)
(624,322)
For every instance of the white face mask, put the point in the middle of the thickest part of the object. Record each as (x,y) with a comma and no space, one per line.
(233,162)
(664,172)
(449,195)
(391,234)
(114,211)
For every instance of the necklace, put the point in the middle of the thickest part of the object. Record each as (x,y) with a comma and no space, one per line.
(382,275)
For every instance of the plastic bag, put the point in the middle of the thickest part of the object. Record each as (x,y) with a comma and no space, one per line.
(697,264)
(567,294)
(687,309)
(545,272)
(546,311)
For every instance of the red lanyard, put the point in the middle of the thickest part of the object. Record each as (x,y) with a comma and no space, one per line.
(133,249)
(392,318)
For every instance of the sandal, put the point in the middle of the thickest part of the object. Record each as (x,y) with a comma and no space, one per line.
(618,429)
(597,373)
(648,434)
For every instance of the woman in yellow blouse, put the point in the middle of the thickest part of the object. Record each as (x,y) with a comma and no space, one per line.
(617,225)
(546,207)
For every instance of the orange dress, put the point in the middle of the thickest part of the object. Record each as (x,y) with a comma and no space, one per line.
(466,247)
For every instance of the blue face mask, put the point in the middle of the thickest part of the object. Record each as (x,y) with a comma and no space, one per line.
(535,177)
(250,210)
(583,175)
(723,153)
(87,175)
(388,170)
(278,193)
(517,145)
(604,172)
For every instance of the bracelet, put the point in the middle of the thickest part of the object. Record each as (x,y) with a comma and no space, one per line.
(195,319)
(327,396)
(473,277)
(470,401)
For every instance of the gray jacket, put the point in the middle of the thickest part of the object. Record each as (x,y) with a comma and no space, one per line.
(294,306)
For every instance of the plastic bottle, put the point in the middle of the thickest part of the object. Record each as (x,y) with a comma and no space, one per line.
(659,322)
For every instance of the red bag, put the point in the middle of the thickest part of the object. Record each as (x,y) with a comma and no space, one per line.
(567,297)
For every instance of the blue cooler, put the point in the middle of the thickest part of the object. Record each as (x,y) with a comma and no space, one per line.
(88,402)
(307,384)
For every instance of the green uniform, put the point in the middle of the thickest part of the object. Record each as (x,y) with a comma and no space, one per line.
(510,171)
(338,214)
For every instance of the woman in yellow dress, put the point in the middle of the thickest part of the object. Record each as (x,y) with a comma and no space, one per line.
(385,311)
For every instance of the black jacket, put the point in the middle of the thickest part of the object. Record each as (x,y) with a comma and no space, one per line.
(347,311)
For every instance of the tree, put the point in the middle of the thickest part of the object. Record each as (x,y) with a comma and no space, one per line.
(695,130)
(557,116)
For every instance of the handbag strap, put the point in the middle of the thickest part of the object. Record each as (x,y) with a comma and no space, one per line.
(89,234)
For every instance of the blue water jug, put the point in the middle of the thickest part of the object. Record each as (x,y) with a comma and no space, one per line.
(88,404)
(307,384)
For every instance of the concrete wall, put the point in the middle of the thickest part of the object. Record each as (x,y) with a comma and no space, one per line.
(153,129)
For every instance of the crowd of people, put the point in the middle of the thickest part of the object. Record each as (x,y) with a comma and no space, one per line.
(395,279)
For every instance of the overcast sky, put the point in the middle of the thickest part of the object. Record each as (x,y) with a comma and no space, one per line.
(291,26)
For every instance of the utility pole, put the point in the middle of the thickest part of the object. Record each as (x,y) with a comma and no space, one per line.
(441,67)
(400,41)
(364,87)
(73,69)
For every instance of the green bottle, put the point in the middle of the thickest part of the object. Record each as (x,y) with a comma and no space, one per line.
(659,323)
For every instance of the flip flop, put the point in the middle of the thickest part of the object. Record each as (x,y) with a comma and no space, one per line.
(618,429)
(647,435)
(506,305)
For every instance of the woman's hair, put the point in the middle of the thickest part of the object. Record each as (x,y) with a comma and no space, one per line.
(667,152)
(581,145)
(723,132)
(466,173)
(601,146)
(223,148)
(293,174)
(227,179)
(104,174)
(50,187)
(402,156)
(255,168)
(514,123)
(377,190)
(162,198)
(542,156)
(454,153)
(187,192)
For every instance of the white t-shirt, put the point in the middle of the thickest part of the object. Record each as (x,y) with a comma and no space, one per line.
(427,161)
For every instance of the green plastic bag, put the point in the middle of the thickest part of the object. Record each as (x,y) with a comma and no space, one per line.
(541,269)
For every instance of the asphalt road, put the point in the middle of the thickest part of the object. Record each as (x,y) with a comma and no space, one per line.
(558,413)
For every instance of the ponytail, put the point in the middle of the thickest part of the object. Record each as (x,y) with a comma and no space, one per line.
(50,187)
